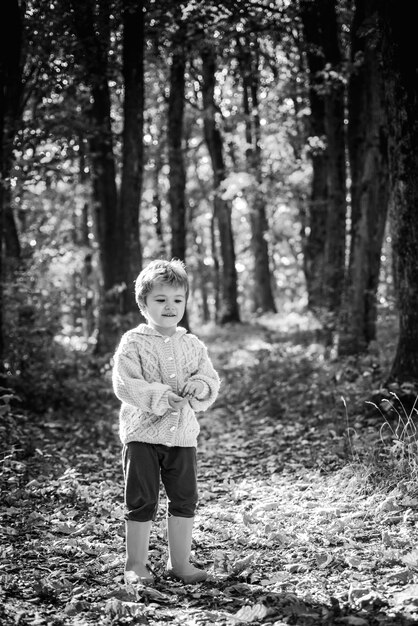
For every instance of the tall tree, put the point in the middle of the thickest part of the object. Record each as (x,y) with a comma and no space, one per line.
(335,247)
(314,248)
(11,90)
(93,33)
(117,214)
(228,310)
(400,64)
(367,144)
(322,32)
(248,55)
(175,142)
(177,175)
(132,149)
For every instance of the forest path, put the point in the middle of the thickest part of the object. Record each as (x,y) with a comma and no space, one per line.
(286,526)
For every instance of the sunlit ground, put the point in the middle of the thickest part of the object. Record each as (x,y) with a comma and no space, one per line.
(292,523)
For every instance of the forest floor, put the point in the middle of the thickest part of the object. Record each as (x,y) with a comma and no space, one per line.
(306,516)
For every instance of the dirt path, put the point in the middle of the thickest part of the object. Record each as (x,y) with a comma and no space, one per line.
(287,525)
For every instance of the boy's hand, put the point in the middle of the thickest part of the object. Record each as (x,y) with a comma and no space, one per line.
(193,389)
(175,401)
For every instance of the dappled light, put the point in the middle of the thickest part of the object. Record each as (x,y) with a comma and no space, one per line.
(258,150)
(292,524)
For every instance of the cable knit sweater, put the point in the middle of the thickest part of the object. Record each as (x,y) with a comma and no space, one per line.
(147,365)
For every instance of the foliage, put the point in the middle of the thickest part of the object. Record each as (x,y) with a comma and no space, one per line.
(40,366)
(52,175)
(399,436)
(290,526)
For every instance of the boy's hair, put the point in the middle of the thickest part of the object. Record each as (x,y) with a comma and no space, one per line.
(160,271)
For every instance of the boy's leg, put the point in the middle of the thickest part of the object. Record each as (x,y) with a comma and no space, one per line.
(179,476)
(142,481)
(180,531)
(137,544)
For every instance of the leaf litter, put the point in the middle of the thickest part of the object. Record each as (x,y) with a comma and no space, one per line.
(288,525)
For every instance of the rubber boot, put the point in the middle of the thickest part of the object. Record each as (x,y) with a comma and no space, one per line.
(180,531)
(137,545)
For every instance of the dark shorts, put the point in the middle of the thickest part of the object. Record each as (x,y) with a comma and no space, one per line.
(145,466)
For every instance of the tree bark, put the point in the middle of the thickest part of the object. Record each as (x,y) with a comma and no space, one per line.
(400,63)
(262,287)
(316,220)
(132,172)
(11,234)
(367,143)
(175,137)
(11,89)
(177,176)
(228,310)
(93,40)
(335,247)
(93,32)
(325,61)
(156,198)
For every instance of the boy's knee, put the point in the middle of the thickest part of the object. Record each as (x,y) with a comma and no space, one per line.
(182,509)
(144,513)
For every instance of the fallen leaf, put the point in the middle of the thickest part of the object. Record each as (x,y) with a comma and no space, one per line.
(250,614)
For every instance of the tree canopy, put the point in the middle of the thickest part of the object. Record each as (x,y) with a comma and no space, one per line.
(251,139)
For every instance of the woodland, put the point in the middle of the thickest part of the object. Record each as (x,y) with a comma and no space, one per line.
(273,147)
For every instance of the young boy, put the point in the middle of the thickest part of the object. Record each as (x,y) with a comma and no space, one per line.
(162,375)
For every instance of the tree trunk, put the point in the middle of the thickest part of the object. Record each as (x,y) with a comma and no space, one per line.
(11,88)
(104,187)
(92,31)
(216,264)
(325,64)
(262,288)
(228,310)
(400,62)
(316,221)
(175,136)
(131,185)
(156,198)
(177,176)
(11,235)
(203,285)
(335,247)
(367,143)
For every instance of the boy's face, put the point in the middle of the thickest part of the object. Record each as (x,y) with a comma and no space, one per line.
(164,307)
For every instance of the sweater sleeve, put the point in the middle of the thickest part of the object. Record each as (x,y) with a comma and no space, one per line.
(206,374)
(130,386)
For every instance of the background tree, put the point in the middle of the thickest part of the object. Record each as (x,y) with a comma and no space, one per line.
(316,221)
(132,140)
(175,136)
(367,145)
(92,27)
(11,84)
(117,211)
(322,34)
(249,62)
(400,63)
(228,310)
(75,191)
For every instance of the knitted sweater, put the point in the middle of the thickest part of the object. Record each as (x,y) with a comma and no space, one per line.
(147,366)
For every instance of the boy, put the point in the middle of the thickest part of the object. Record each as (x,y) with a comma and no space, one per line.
(162,375)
